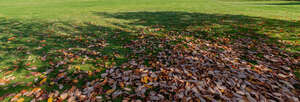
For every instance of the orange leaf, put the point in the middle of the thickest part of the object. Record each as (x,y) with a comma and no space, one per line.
(12,38)
(90,73)
(75,81)
(60,75)
(36,89)
(122,84)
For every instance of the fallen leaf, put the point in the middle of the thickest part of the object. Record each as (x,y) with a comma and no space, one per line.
(12,38)
(110,91)
(43,81)
(20,100)
(145,79)
(50,99)
(90,73)
(63,96)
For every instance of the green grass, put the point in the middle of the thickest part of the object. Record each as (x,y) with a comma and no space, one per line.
(31,29)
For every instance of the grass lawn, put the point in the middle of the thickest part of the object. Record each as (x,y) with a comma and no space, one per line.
(42,41)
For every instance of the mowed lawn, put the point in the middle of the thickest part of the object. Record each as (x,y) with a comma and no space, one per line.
(59,45)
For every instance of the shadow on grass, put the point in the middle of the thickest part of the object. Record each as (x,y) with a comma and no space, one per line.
(50,48)
(38,48)
(231,26)
(290,3)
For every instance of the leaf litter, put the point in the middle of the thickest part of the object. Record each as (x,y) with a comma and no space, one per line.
(173,68)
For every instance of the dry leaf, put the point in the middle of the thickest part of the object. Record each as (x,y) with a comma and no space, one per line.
(110,91)
(50,99)
(20,100)
(43,81)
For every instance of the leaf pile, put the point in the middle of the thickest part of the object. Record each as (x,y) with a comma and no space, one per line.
(187,69)
(202,70)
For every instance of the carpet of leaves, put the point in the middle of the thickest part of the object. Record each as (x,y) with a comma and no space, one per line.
(175,67)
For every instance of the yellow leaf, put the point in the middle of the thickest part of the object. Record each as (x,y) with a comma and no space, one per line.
(189,74)
(145,79)
(110,91)
(50,99)
(20,100)
(43,81)
(222,90)
(77,67)
(42,75)
(142,36)
(149,86)
(52,83)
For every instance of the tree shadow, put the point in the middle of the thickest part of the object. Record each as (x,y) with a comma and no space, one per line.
(41,49)
(279,35)
(290,3)
(234,26)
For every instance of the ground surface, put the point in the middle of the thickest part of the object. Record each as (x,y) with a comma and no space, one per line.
(66,50)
